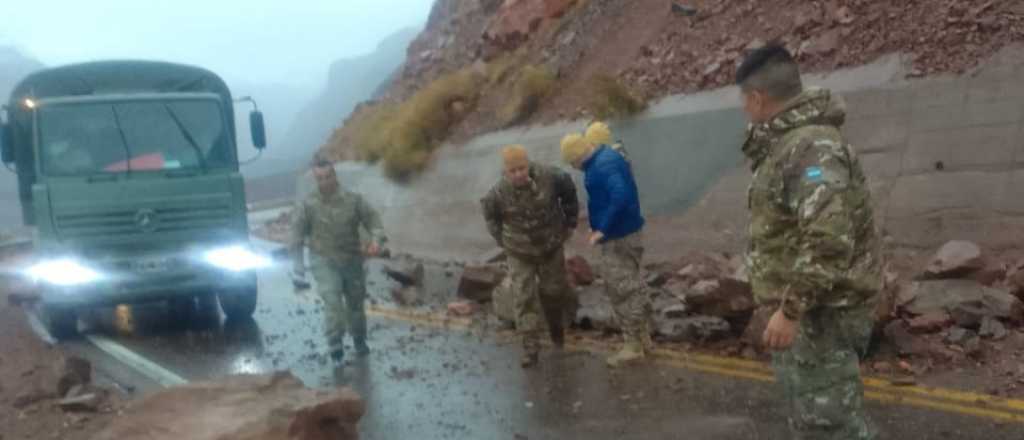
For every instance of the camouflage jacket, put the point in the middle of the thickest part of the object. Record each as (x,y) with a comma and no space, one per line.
(330,226)
(812,235)
(532,221)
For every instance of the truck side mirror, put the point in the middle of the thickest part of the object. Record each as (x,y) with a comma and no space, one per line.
(258,132)
(6,144)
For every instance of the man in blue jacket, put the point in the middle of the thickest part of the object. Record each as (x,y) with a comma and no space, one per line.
(615,223)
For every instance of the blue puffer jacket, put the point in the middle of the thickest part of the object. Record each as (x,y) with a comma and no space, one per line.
(614,203)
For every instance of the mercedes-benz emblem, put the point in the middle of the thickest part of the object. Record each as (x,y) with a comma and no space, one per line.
(146,220)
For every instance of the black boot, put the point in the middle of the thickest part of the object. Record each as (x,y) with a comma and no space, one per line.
(338,356)
(361,348)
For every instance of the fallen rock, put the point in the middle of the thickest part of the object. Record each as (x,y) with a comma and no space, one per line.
(907,343)
(406,295)
(478,282)
(462,308)
(930,322)
(725,297)
(503,302)
(595,311)
(668,306)
(990,275)
(959,335)
(407,273)
(954,260)
(950,295)
(992,328)
(241,407)
(694,329)
(77,372)
(495,255)
(656,279)
(579,271)
(83,400)
(753,335)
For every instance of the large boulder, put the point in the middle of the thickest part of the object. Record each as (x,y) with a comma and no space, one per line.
(723,297)
(957,296)
(595,311)
(955,259)
(694,329)
(478,282)
(241,408)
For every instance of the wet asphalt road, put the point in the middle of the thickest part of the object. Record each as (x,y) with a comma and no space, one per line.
(428,382)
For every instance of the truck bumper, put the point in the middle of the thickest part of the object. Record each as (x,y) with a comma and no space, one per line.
(153,288)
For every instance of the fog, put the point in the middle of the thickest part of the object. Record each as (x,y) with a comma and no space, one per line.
(258,41)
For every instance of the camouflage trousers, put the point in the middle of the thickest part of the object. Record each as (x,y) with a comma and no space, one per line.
(630,299)
(342,287)
(540,291)
(820,374)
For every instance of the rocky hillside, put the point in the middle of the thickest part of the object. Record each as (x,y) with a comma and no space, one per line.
(482,65)
(350,81)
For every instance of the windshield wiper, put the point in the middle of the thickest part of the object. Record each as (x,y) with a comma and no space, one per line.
(124,141)
(188,136)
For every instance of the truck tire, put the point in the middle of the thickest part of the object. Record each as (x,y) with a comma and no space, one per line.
(238,304)
(61,322)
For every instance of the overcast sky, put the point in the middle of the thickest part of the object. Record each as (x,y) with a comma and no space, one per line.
(256,41)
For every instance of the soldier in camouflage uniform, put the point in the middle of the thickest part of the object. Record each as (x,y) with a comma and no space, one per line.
(531,212)
(616,224)
(328,220)
(813,246)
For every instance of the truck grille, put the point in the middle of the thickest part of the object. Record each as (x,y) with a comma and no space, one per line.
(144,221)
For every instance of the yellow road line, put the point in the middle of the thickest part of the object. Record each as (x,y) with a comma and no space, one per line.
(881,390)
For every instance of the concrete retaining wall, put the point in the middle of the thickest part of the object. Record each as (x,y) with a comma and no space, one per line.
(943,156)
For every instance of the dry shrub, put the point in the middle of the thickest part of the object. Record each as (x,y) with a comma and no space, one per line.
(611,99)
(404,135)
(532,85)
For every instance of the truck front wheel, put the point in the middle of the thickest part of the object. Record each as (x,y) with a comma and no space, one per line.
(238,304)
(61,322)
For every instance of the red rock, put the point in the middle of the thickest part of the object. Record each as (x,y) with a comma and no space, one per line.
(930,323)
(579,271)
(478,282)
(462,308)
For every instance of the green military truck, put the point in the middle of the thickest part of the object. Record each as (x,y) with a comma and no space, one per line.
(128,172)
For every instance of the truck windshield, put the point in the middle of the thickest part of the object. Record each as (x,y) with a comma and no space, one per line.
(84,139)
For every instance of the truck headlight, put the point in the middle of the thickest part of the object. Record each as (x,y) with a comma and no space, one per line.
(63,272)
(238,258)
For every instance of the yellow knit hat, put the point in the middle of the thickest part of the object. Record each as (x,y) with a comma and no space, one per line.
(515,156)
(598,133)
(574,147)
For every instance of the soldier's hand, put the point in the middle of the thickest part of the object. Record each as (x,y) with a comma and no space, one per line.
(596,237)
(780,333)
(373,250)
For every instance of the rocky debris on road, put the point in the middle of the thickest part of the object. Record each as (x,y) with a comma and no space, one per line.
(964,297)
(242,408)
(407,272)
(700,329)
(478,282)
(463,308)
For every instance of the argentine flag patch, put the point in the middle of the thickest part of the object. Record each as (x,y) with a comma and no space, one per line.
(813,174)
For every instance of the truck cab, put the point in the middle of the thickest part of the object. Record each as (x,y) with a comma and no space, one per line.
(129,173)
